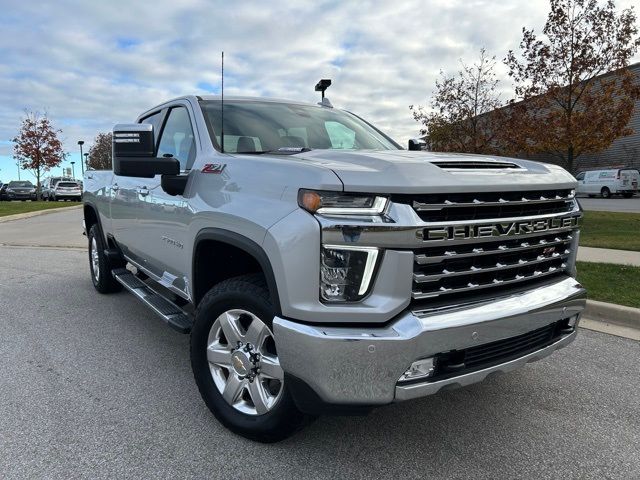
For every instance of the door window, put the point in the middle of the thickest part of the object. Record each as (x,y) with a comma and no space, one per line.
(177,138)
(340,135)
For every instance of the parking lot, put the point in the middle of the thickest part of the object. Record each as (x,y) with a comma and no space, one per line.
(615,204)
(96,386)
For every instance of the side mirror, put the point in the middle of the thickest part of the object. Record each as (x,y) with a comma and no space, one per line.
(416,144)
(134,153)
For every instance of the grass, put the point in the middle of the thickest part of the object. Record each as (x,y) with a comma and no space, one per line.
(610,283)
(12,208)
(620,231)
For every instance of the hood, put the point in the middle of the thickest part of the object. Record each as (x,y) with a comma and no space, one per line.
(402,171)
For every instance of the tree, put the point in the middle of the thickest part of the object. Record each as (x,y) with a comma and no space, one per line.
(569,106)
(465,114)
(101,152)
(37,147)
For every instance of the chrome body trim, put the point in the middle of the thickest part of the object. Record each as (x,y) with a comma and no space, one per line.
(356,365)
(404,229)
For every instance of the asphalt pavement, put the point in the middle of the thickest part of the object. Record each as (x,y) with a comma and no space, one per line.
(95,386)
(613,204)
(56,229)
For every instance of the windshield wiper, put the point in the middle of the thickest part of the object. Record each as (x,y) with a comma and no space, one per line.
(280,151)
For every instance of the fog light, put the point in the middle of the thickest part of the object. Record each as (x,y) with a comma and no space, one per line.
(419,369)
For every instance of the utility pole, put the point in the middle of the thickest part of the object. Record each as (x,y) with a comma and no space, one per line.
(18,165)
(81,142)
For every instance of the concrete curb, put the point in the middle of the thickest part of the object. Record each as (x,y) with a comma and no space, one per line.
(611,313)
(37,213)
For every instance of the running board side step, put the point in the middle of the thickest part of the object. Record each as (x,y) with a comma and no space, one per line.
(177,318)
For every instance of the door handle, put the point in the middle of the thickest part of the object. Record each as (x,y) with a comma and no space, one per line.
(144,191)
(115,187)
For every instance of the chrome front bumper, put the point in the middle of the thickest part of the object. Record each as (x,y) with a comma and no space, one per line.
(362,366)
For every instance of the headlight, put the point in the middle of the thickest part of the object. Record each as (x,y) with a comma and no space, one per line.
(346,272)
(338,203)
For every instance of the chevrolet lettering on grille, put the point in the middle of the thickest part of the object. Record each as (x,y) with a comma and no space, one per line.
(499,229)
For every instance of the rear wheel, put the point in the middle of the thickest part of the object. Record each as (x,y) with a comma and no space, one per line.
(235,361)
(99,264)
(605,192)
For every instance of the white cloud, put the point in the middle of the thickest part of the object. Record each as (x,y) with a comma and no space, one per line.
(93,64)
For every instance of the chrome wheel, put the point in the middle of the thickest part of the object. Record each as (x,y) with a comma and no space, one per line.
(95,262)
(244,363)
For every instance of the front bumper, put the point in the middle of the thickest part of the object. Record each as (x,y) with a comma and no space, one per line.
(362,366)
(21,196)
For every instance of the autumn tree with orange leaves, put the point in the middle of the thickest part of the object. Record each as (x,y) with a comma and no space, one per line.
(37,147)
(568,107)
(101,152)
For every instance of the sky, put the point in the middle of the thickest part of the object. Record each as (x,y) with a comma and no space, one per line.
(90,65)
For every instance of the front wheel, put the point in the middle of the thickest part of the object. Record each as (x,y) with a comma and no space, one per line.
(235,361)
(99,264)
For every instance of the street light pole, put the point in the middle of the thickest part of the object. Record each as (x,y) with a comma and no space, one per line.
(81,142)
(73,170)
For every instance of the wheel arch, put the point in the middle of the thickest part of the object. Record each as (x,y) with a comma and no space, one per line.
(249,257)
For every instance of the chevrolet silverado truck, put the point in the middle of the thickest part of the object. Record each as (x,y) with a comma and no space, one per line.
(319,267)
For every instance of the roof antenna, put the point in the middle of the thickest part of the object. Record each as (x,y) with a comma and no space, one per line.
(321,86)
(222,109)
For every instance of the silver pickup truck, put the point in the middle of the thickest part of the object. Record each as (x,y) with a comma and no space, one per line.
(321,268)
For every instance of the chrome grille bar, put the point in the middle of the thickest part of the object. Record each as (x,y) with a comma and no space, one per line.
(419,295)
(423,259)
(425,278)
(501,202)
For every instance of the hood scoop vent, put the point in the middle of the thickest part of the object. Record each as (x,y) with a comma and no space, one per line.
(475,165)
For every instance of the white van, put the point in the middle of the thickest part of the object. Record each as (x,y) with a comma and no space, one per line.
(613,181)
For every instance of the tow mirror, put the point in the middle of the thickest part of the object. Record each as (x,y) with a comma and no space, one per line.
(134,153)
(417,144)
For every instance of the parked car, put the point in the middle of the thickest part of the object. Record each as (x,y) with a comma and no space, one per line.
(20,190)
(319,267)
(49,183)
(612,181)
(65,190)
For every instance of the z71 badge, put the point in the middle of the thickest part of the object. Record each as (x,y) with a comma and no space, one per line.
(216,168)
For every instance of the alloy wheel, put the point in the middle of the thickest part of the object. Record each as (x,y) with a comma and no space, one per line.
(244,363)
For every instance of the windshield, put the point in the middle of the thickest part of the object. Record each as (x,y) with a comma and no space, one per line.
(20,184)
(254,126)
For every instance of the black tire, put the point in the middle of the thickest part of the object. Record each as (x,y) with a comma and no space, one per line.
(605,192)
(247,292)
(104,281)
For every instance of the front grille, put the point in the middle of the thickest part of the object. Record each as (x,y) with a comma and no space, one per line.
(459,362)
(488,205)
(450,269)
(447,271)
